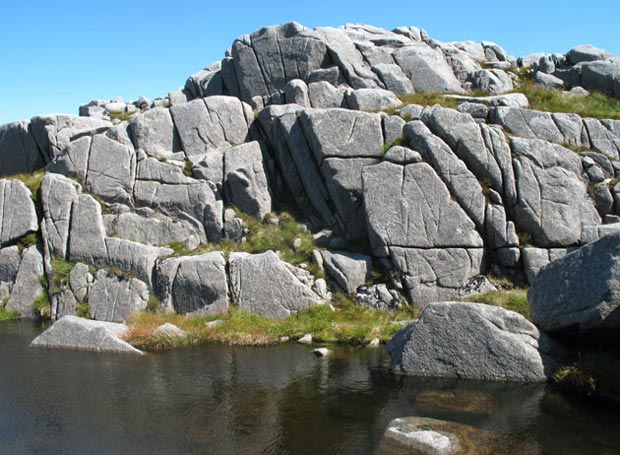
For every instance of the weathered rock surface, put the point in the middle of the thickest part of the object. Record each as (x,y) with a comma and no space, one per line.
(72,332)
(579,294)
(472,340)
(262,284)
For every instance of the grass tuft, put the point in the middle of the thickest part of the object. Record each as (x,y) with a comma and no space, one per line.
(350,323)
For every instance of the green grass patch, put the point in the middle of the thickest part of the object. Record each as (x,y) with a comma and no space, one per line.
(83,310)
(593,375)
(61,270)
(41,305)
(6,315)
(348,324)
(595,105)
(122,116)
(510,299)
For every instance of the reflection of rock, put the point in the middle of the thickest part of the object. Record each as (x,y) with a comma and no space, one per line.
(454,401)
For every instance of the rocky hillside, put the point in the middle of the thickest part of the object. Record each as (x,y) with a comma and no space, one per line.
(135,208)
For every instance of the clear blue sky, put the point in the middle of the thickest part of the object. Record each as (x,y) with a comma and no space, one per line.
(59,54)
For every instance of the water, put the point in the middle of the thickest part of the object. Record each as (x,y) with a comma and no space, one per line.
(279,400)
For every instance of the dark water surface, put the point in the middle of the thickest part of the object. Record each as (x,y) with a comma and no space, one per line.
(279,400)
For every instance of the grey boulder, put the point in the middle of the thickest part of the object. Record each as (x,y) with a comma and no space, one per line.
(262,284)
(372,99)
(245,180)
(472,340)
(72,332)
(579,294)
(349,270)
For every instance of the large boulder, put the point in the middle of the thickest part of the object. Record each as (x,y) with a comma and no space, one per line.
(17,213)
(579,294)
(154,132)
(28,285)
(472,340)
(207,123)
(194,285)
(349,270)
(553,203)
(114,299)
(263,284)
(72,332)
(18,150)
(245,181)
(153,229)
(54,132)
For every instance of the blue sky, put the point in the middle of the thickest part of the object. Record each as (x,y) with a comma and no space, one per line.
(58,55)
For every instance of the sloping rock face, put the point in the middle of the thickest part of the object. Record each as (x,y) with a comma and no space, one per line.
(472,340)
(291,118)
(579,293)
(71,332)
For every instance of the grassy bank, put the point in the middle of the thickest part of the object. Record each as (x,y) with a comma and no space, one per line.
(349,323)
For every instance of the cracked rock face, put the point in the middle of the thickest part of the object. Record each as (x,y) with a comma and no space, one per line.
(472,340)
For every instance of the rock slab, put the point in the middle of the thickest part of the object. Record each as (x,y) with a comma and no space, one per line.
(72,332)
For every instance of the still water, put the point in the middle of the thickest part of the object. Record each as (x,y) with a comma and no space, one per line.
(279,400)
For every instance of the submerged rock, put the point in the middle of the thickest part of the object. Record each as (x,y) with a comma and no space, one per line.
(72,332)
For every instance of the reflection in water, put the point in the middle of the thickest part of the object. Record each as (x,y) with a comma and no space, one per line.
(278,400)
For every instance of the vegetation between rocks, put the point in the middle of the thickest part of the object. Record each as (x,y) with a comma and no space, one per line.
(32,181)
(592,375)
(266,235)
(347,323)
